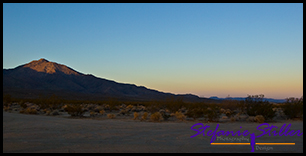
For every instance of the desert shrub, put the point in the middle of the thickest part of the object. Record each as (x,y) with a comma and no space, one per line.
(229,104)
(293,107)
(212,113)
(53,102)
(90,107)
(7,99)
(102,112)
(156,117)
(123,112)
(92,113)
(44,110)
(98,109)
(153,108)
(180,116)
(242,107)
(30,111)
(144,116)
(229,113)
(256,106)
(259,118)
(140,108)
(75,110)
(22,104)
(165,115)
(195,113)
(122,106)
(136,115)
(6,108)
(111,116)
(129,107)
(173,104)
(107,107)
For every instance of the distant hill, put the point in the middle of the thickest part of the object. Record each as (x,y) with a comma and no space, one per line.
(45,77)
(243,98)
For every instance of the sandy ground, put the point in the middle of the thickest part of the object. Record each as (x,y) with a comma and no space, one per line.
(37,133)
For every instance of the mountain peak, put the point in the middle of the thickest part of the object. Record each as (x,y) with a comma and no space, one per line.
(43,65)
(43,60)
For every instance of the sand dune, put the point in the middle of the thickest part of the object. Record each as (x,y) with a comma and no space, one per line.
(36,133)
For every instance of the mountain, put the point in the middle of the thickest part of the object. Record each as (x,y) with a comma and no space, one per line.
(243,98)
(45,77)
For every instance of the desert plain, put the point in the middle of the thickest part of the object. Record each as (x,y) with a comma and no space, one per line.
(25,133)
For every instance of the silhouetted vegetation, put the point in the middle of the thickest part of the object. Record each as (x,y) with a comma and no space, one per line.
(255,105)
(156,117)
(293,107)
(252,106)
(7,99)
(212,113)
(144,116)
(196,110)
(75,110)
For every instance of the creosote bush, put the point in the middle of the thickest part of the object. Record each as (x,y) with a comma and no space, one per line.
(180,116)
(212,113)
(293,107)
(111,116)
(144,116)
(30,111)
(75,110)
(195,113)
(22,104)
(257,106)
(136,115)
(259,119)
(129,107)
(92,113)
(156,117)
(102,112)
(6,108)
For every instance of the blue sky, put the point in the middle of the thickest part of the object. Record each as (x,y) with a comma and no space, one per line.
(202,49)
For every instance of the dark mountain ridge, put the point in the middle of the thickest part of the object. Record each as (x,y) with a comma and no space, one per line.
(45,77)
(243,98)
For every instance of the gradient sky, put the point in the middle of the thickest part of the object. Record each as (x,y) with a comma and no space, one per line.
(202,49)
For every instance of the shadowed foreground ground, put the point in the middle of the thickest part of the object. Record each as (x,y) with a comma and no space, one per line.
(35,133)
